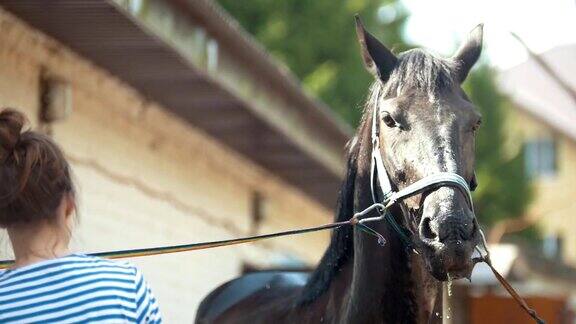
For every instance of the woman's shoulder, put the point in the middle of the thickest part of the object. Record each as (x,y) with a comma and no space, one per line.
(104,265)
(76,285)
(90,260)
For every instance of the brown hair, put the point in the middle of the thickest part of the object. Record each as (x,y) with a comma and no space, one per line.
(34,175)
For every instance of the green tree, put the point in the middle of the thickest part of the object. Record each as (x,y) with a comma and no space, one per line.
(316,39)
(504,189)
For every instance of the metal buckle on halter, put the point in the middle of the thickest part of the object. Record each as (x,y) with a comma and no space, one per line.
(433,181)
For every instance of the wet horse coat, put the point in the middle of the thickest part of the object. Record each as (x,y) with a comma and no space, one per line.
(427,126)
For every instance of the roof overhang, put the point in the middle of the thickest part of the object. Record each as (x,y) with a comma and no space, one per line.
(246,100)
(540,95)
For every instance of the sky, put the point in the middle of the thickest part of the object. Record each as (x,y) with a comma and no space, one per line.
(440,25)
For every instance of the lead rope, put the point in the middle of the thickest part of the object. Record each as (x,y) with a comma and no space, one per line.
(389,198)
(521,302)
(356,220)
(131,253)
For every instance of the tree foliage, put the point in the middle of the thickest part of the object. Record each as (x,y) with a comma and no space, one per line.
(504,189)
(316,39)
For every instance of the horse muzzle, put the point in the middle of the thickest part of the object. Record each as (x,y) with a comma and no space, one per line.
(449,233)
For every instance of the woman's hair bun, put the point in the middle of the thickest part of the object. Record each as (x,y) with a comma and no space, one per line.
(34,175)
(11,124)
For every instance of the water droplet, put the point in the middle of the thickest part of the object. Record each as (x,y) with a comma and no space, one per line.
(447,309)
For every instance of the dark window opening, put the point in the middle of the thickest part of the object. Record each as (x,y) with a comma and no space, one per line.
(540,156)
(256,212)
(552,246)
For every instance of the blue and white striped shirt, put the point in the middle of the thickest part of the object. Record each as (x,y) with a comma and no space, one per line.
(76,288)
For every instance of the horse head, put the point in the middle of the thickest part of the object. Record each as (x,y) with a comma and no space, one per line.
(427,125)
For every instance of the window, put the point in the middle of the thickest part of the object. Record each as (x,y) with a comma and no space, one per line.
(540,157)
(55,101)
(552,245)
(256,212)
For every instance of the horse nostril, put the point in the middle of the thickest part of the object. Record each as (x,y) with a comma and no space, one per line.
(426,230)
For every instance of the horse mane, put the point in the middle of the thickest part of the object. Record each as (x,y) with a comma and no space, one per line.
(341,246)
(416,69)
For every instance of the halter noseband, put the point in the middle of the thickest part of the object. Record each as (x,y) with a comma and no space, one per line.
(381,186)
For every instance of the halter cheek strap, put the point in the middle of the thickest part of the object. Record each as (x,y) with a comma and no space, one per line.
(385,186)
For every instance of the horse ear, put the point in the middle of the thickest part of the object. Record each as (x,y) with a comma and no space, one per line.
(377,58)
(469,52)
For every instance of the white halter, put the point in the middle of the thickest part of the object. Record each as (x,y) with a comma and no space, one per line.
(388,195)
(440,179)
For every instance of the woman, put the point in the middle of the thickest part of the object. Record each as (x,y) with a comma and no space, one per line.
(48,284)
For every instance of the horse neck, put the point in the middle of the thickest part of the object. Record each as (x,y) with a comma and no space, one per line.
(381,282)
(388,283)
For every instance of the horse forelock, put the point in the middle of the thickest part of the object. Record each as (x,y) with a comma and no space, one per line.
(419,70)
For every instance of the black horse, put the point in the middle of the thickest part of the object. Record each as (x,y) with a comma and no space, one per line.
(427,125)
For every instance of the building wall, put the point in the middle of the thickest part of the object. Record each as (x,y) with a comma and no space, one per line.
(146,178)
(491,308)
(554,203)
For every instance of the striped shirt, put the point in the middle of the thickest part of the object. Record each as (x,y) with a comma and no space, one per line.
(76,288)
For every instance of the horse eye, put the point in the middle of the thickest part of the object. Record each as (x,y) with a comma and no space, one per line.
(388,120)
(477,125)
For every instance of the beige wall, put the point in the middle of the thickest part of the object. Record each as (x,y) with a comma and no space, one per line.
(200,189)
(554,201)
